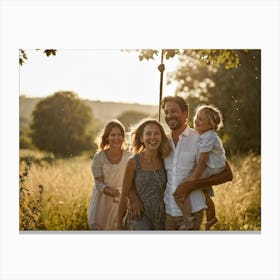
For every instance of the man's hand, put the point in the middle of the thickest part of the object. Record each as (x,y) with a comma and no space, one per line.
(135,207)
(184,189)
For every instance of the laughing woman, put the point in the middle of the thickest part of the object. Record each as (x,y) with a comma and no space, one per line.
(108,168)
(145,170)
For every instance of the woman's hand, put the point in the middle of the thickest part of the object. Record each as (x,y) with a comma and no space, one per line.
(111,192)
(117,196)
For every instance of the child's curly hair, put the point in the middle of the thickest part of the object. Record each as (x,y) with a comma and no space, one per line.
(213,115)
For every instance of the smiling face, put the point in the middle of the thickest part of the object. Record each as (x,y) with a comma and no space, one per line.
(174,116)
(151,137)
(201,122)
(115,138)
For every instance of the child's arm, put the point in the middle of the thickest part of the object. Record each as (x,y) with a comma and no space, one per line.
(199,167)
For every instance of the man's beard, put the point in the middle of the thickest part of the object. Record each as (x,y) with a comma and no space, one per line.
(173,126)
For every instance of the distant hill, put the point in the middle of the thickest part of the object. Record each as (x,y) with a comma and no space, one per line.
(104,111)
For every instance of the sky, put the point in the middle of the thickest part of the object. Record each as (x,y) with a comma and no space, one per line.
(105,75)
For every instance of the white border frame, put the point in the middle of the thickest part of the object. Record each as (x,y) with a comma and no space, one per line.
(145,24)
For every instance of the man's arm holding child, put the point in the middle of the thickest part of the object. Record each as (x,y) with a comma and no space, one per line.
(186,187)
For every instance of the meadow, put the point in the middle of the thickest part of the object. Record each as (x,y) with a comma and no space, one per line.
(54,193)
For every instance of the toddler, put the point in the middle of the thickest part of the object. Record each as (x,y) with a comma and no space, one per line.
(211,160)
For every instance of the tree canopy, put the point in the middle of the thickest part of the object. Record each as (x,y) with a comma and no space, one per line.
(62,124)
(236,91)
(227,78)
(216,57)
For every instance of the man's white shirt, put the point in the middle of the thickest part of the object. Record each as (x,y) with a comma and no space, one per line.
(179,165)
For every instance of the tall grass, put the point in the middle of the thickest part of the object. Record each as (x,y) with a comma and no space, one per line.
(238,203)
(66,189)
(55,193)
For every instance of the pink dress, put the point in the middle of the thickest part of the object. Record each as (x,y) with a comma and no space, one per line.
(102,211)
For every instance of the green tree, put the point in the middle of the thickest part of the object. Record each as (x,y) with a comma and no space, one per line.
(238,94)
(129,118)
(62,124)
(236,91)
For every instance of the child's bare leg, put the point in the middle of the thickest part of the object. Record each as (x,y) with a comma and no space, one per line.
(210,212)
(188,219)
(180,204)
(185,207)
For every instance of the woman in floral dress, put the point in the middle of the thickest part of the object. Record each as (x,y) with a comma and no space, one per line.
(108,169)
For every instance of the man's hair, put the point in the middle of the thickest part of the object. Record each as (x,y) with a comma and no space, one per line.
(177,99)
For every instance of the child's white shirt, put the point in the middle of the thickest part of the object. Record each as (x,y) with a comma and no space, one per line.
(209,141)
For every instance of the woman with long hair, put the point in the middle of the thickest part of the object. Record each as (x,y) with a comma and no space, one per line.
(108,169)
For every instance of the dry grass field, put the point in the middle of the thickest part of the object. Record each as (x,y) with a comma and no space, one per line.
(54,193)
